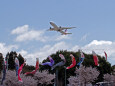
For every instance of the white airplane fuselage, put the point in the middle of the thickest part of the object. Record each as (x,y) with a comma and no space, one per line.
(55,29)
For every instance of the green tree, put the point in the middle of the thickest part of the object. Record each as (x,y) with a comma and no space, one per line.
(1,62)
(11,63)
(28,68)
(11,60)
(104,66)
(21,59)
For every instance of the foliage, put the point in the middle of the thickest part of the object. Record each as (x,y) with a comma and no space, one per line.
(21,59)
(1,62)
(104,66)
(28,68)
(11,61)
(113,69)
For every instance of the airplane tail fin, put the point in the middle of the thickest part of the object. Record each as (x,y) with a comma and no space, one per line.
(65,30)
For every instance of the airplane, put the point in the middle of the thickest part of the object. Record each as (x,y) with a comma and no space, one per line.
(60,29)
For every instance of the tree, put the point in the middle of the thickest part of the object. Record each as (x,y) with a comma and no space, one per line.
(104,66)
(113,69)
(11,63)
(1,62)
(43,78)
(12,80)
(39,79)
(84,76)
(109,78)
(61,69)
(28,68)
(21,59)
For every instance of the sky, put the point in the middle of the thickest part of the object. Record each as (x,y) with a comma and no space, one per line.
(24,24)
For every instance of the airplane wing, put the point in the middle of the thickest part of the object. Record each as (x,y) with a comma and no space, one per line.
(67,28)
(64,33)
(54,25)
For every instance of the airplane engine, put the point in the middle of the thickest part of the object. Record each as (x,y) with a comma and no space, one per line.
(50,28)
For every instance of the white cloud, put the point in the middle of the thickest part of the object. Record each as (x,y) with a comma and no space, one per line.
(43,52)
(75,48)
(4,49)
(31,35)
(24,34)
(95,42)
(98,46)
(48,49)
(61,37)
(21,29)
(84,37)
(23,52)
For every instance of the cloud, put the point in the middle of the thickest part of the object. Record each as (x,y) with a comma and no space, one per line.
(95,42)
(84,37)
(24,34)
(61,37)
(21,29)
(31,35)
(43,52)
(98,46)
(23,52)
(75,48)
(4,49)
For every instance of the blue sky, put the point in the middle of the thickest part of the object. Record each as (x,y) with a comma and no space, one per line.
(94,20)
